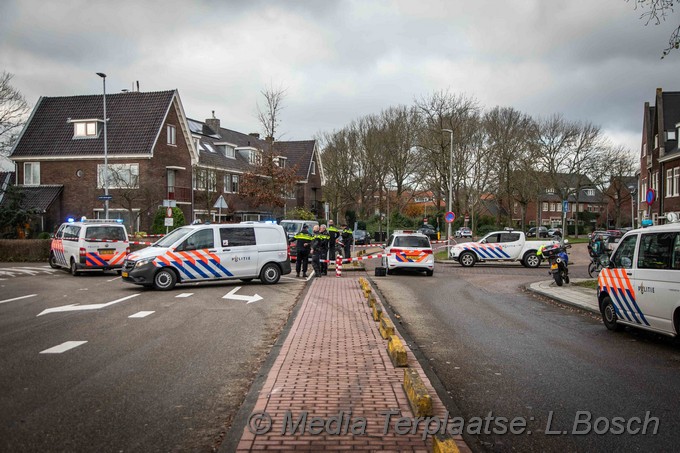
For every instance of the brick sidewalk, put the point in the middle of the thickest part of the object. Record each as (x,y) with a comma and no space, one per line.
(334,360)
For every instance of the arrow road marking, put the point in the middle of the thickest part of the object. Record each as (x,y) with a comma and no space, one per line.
(63,347)
(17,298)
(76,307)
(248,299)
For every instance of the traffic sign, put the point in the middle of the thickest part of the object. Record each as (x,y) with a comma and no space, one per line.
(170,203)
(105,197)
(565,206)
(169,221)
(650,197)
(450,217)
(168,213)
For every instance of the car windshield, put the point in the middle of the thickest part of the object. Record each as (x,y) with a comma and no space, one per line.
(172,237)
(411,241)
(290,227)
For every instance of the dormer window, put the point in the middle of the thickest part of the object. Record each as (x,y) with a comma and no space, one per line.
(670,135)
(280,161)
(85,128)
(254,158)
(550,191)
(590,192)
(227,149)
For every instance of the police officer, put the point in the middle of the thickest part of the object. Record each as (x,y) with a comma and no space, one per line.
(320,250)
(347,241)
(334,233)
(302,247)
(316,251)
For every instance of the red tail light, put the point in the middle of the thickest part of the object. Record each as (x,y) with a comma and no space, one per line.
(427,251)
(397,251)
(288,250)
(83,252)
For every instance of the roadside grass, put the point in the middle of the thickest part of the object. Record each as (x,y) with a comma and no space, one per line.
(591,284)
(441,255)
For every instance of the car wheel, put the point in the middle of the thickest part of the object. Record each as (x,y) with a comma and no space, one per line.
(429,273)
(467,259)
(53,261)
(74,268)
(165,279)
(531,259)
(609,317)
(270,274)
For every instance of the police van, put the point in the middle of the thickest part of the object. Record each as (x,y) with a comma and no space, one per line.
(89,245)
(208,252)
(641,285)
(406,249)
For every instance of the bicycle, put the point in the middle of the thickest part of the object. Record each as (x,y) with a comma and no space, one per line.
(597,263)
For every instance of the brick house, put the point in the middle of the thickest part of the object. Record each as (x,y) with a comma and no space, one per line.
(660,157)
(154,153)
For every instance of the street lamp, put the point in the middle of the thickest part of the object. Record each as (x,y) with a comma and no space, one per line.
(448,230)
(633,192)
(106,154)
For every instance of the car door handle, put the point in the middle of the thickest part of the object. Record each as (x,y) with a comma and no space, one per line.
(629,273)
(212,250)
(226,250)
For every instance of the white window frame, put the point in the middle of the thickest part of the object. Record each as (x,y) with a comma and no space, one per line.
(31,168)
(545,206)
(676,181)
(590,192)
(226,183)
(172,135)
(670,135)
(114,183)
(312,169)
(229,152)
(235,181)
(669,182)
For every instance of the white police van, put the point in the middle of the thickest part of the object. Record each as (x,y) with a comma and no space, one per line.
(641,285)
(89,245)
(208,252)
(408,250)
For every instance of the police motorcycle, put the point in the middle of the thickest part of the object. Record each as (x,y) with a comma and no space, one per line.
(558,258)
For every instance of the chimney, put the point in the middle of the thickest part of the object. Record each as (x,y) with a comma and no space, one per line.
(213,123)
(255,134)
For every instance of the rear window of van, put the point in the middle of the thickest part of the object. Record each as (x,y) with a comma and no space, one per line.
(109,233)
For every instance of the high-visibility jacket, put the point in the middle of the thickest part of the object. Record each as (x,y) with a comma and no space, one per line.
(304,242)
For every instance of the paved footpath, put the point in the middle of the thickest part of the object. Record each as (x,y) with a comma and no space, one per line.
(334,363)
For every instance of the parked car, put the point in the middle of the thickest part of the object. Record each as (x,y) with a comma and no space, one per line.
(211,252)
(429,231)
(554,232)
(361,237)
(463,232)
(406,250)
(541,232)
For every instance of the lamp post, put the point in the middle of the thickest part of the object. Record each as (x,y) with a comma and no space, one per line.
(106,154)
(448,228)
(633,191)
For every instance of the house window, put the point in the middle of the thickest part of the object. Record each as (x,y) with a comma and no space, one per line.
(234,183)
(254,158)
(280,161)
(228,151)
(545,206)
(670,135)
(643,190)
(644,149)
(590,192)
(656,141)
(669,182)
(205,180)
(673,182)
(86,129)
(172,135)
(32,173)
(550,191)
(226,183)
(312,170)
(676,181)
(120,176)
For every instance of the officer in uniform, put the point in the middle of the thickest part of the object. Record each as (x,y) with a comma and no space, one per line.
(324,239)
(334,233)
(316,251)
(302,247)
(347,240)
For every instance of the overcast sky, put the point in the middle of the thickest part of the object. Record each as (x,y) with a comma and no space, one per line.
(590,60)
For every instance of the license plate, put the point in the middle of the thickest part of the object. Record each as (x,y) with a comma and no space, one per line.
(553,266)
(124,274)
(106,252)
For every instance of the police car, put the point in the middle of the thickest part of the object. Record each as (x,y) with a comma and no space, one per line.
(408,250)
(89,245)
(641,285)
(211,252)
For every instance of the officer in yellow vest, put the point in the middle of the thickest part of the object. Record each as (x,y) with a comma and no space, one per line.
(303,246)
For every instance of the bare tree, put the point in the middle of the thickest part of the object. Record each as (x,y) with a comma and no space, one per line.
(127,193)
(13,110)
(270,114)
(613,173)
(269,181)
(655,12)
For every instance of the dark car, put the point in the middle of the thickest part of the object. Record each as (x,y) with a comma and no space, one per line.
(542,232)
(429,231)
(554,232)
(361,237)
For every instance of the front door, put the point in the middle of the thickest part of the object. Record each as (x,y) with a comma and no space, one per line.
(618,280)
(238,250)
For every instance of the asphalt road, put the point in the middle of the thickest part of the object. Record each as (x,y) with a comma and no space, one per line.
(168,380)
(497,349)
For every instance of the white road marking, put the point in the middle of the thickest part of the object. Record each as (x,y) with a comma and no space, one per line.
(113,279)
(63,347)
(185,295)
(141,314)
(17,298)
(76,307)
(249,299)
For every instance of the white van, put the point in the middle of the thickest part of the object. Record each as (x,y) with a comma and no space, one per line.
(641,286)
(89,245)
(211,252)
